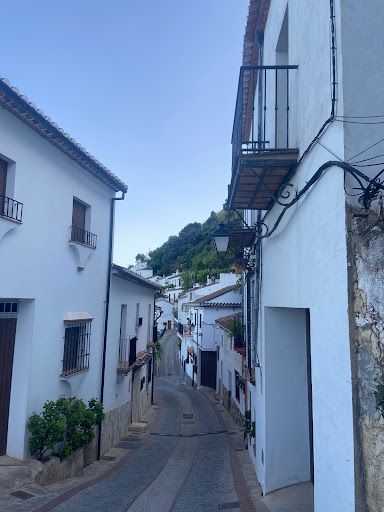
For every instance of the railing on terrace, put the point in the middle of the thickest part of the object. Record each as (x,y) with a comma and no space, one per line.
(184,330)
(127,352)
(261,120)
(82,236)
(11,209)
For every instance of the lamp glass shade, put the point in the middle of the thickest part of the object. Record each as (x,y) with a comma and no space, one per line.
(221,239)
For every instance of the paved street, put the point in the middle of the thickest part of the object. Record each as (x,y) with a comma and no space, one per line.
(185,463)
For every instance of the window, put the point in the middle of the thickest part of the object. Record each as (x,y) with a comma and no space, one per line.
(76,347)
(8,207)
(123,321)
(237,390)
(3,176)
(80,220)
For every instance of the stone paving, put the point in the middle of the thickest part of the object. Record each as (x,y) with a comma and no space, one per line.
(216,473)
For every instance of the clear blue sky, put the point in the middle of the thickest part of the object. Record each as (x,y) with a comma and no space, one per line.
(147,87)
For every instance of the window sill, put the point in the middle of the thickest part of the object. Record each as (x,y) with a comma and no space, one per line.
(76,372)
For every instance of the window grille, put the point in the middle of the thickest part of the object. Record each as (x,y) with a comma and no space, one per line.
(76,347)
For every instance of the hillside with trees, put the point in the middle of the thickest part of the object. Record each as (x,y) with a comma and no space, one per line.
(192,252)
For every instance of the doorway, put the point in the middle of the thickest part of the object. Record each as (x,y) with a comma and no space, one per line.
(288,398)
(208,368)
(7,345)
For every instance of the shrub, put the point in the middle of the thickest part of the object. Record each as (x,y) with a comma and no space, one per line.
(63,426)
(249,425)
(158,351)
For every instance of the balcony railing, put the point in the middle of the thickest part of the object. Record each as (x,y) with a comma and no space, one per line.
(83,237)
(262,110)
(184,330)
(127,353)
(11,209)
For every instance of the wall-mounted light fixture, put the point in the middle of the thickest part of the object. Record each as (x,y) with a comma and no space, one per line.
(221,238)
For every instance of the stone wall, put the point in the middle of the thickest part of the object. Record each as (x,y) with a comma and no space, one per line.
(115,426)
(230,404)
(366,310)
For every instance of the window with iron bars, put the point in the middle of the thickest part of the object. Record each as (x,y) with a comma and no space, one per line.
(76,347)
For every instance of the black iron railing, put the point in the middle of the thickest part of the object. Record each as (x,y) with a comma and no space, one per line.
(127,352)
(261,120)
(76,348)
(82,236)
(11,209)
(184,330)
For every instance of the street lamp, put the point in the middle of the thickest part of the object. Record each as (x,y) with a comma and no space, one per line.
(221,239)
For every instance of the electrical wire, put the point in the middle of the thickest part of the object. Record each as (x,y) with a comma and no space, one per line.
(359,122)
(364,150)
(366,159)
(329,151)
(360,117)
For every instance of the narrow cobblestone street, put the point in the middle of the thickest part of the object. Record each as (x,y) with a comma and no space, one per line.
(189,460)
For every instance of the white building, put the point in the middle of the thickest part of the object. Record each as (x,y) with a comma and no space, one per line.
(129,353)
(314,266)
(143,269)
(200,340)
(56,229)
(230,367)
(166,318)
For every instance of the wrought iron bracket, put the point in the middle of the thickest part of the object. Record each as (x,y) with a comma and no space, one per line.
(288,195)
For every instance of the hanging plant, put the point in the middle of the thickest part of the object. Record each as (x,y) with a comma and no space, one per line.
(241,383)
(249,425)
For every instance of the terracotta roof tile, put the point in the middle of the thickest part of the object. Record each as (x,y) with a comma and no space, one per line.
(18,104)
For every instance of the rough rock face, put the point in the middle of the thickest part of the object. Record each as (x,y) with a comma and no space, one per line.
(366,310)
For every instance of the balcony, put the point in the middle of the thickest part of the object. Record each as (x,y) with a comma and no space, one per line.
(127,354)
(184,330)
(82,236)
(262,157)
(11,209)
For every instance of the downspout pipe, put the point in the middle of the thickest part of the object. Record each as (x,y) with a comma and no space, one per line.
(111,226)
(154,340)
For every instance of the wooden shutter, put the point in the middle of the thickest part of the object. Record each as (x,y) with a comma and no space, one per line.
(78,214)
(3,176)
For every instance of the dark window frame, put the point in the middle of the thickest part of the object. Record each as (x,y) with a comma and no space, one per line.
(76,353)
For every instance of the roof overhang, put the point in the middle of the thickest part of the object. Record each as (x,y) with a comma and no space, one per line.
(19,106)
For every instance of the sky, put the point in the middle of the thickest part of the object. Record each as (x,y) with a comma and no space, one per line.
(147,87)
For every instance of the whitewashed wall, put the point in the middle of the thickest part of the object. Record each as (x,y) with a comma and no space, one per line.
(41,271)
(118,389)
(305,261)
(229,362)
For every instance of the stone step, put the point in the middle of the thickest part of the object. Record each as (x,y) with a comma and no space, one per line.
(137,427)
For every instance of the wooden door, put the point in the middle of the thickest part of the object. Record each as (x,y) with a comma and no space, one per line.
(208,369)
(7,344)
(169,324)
